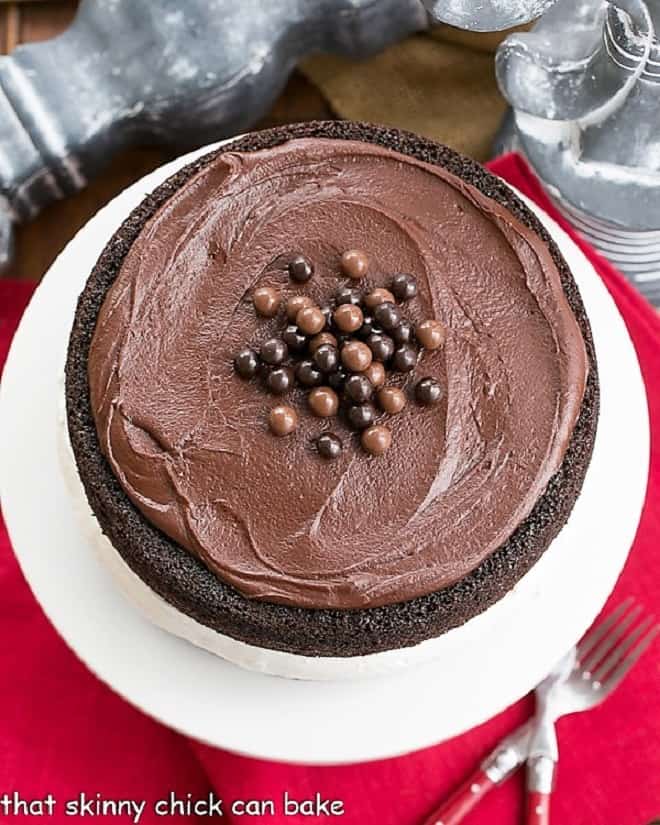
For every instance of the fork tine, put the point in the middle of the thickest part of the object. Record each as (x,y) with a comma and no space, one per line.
(617,676)
(597,632)
(621,649)
(608,642)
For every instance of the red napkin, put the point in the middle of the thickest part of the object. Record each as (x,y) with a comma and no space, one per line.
(63,732)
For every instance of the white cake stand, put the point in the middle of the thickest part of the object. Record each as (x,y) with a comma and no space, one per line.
(482,667)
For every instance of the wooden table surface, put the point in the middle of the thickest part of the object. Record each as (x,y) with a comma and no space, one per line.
(39,242)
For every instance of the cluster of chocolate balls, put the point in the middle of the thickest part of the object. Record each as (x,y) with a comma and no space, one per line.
(342,354)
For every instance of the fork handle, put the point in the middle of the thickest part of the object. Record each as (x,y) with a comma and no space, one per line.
(540,782)
(538,808)
(462,801)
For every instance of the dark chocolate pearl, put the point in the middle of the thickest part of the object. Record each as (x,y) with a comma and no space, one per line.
(337,379)
(329,319)
(378,296)
(361,416)
(311,320)
(359,388)
(431,334)
(392,400)
(348,317)
(246,363)
(282,420)
(280,380)
(368,327)
(326,358)
(403,334)
(387,315)
(428,392)
(381,346)
(308,374)
(329,446)
(301,268)
(376,440)
(356,356)
(323,401)
(266,301)
(295,340)
(404,286)
(320,339)
(273,351)
(404,358)
(295,304)
(346,295)
(354,264)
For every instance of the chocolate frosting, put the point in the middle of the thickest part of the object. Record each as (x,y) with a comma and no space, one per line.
(188,440)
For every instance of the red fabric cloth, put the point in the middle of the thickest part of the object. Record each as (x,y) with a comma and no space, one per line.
(62,731)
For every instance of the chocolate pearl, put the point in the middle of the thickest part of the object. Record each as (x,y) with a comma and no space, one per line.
(323,401)
(404,358)
(392,400)
(375,372)
(280,380)
(282,420)
(361,416)
(346,295)
(294,339)
(381,346)
(326,358)
(354,264)
(308,374)
(273,351)
(301,269)
(266,301)
(337,379)
(310,320)
(431,334)
(368,327)
(246,363)
(404,286)
(348,317)
(359,388)
(376,440)
(403,334)
(356,356)
(329,446)
(387,315)
(320,339)
(295,304)
(378,296)
(428,392)
(329,320)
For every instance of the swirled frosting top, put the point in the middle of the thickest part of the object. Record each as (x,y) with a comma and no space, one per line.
(187,438)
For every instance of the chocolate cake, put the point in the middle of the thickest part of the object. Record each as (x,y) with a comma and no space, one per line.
(331,390)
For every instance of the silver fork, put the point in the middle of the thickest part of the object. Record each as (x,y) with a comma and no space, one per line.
(580,681)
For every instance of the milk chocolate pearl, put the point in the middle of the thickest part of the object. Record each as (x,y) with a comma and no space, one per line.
(404,286)
(391,399)
(310,320)
(431,334)
(387,315)
(246,363)
(356,356)
(375,372)
(280,380)
(301,269)
(361,416)
(273,351)
(376,440)
(266,301)
(404,358)
(294,339)
(354,264)
(381,346)
(348,317)
(359,388)
(403,334)
(329,446)
(428,392)
(346,295)
(308,374)
(323,401)
(295,304)
(321,339)
(378,296)
(282,420)
(326,358)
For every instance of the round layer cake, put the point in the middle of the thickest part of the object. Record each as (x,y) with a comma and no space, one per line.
(343,495)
